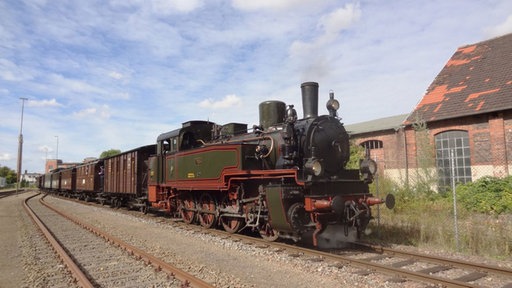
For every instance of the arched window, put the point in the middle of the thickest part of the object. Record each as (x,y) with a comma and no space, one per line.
(452,148)
(372,144)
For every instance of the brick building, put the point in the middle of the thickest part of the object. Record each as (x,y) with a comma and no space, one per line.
(52,164)
(460,130)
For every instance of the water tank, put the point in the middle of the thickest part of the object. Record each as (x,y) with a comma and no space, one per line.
(272,113)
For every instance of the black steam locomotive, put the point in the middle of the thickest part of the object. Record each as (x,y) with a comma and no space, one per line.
(286,178)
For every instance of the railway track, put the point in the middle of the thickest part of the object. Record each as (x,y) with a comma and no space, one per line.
(401,266)
(7,193)
(442,263)
(99,260)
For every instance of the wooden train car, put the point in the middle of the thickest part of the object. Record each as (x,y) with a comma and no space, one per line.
(125,177)
(55,180)
(89,179)
(46,181)
(67,180)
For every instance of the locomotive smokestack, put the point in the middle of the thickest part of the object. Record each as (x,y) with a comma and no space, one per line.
(309,99)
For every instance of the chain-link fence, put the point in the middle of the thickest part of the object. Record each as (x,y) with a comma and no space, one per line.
(445,222)
(441,174)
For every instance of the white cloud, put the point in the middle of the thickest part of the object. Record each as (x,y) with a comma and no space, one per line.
(10,71)
(85,112)
(159,7)
(340,19)
(503,28)
(44,103)
(168,7)
(45,148)
(71,86)
(122,95)
(331,24)
(102,112)
(227,102)
(311,56)
(268,4)
(5,157)
(116,75)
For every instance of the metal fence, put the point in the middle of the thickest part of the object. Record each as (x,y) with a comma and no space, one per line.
(439,174)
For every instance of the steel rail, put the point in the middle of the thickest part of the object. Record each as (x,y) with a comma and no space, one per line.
(441,260)
(77,273)
(398,271)
(367,264)
(186,278)
(364,264)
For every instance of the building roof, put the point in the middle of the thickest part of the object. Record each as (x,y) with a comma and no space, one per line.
(388,123)
(477,79)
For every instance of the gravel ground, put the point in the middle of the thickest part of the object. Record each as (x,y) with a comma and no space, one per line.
(26,258)
(222,262)
(105,264)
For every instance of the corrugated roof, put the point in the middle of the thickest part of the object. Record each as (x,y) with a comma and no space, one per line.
(388,123)
(477,79)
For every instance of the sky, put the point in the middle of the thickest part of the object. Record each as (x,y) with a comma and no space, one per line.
(114,74)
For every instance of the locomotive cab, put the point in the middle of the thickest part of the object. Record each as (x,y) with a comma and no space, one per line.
(193,134)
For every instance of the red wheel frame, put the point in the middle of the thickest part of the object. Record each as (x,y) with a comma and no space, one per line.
(188,209)
(231,224)
(207,207)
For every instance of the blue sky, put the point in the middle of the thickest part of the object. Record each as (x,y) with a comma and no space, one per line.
(116,74)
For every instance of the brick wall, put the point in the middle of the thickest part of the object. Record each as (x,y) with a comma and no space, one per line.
(490,138)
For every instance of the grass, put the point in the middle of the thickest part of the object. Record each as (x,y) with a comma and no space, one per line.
(429,223)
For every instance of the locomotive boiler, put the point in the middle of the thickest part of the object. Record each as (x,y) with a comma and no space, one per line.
(285,178)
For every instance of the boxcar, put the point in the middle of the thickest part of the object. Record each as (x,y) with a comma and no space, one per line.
(88,176)
(126,173)
(46,182)
(55,180)
(67,180)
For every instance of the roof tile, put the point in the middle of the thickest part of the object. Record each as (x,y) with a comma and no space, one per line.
(476,79)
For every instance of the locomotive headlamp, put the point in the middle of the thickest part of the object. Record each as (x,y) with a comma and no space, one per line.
(332,104)
(368,166)
(314,167)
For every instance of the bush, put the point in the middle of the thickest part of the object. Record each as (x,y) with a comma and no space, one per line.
(488,195)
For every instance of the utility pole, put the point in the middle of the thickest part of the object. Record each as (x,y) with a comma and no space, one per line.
(20,146)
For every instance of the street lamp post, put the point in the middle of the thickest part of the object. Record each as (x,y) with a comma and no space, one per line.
(20,146)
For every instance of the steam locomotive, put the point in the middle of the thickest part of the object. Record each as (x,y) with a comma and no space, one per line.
(284,178)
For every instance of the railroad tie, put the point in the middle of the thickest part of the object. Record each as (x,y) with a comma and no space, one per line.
(375,258)
(403,263)
(434,269)
(471,276)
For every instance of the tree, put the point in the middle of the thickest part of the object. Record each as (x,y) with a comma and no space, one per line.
(9,174)
(356,154)
(426,174)
(109,153)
